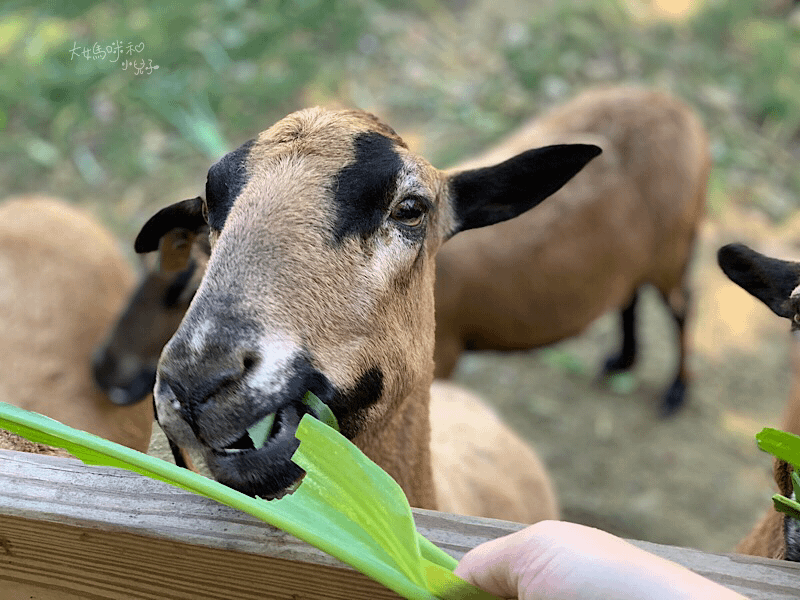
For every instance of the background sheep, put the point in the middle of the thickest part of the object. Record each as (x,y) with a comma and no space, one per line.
(777,284)
(347,313)
(628,219)
(64,279)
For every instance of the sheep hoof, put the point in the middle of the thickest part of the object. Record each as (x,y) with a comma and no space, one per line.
(673,399)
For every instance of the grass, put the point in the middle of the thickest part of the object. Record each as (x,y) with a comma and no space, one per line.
(451,76)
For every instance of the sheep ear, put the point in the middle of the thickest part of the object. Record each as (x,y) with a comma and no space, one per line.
(771,280)
(186,215)
(492,194)
(174,250)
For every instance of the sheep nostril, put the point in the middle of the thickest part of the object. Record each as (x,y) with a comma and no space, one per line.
(249,362)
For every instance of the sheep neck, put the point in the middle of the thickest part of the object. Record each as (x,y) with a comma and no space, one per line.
(401,446)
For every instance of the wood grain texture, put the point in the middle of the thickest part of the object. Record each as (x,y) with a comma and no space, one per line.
(70,531)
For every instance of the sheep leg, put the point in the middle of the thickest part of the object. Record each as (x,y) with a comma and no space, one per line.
(624,359)
(678,303)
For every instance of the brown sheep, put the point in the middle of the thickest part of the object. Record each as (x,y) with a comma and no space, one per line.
(324,231)
(777,284)
(628,219)
(468,440)
(64,279)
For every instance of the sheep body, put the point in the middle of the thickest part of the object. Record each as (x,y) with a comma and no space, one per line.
(628,219)
(64,280)
(480,466)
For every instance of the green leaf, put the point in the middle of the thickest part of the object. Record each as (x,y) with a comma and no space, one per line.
(783,445)
(321,410)
(260,431)
(346,505)
(786,505)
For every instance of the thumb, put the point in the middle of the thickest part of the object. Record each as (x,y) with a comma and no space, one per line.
(489,567)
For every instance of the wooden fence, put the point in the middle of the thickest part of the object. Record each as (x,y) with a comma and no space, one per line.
(69,531)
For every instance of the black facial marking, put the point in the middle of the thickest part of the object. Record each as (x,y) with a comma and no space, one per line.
(349,405)
(225,181)
(364,188)
(178,285)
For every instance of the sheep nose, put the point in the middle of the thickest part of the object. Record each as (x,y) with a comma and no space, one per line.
(206,378)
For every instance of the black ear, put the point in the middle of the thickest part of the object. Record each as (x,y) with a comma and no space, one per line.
(492,194)
(771,280)
(187,214)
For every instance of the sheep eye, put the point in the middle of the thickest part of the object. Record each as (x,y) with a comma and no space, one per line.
(797,318)
(410,211)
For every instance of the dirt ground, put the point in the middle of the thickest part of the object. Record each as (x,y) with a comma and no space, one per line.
(694,480)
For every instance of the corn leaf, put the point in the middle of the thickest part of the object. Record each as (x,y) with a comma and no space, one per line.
(786,505)
(346,505)
(786,447)
(783,445)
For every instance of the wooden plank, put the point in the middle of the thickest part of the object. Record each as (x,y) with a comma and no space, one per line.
(72,531)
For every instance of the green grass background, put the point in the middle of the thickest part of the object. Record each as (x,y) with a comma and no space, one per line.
(449,75)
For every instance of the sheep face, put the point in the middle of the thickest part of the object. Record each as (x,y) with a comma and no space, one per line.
(124,365)
(323,234)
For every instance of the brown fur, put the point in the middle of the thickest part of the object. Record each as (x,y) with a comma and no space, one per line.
(284,297)
(629,218)
(124,364)
(64,279)
(480,466)
(768,538)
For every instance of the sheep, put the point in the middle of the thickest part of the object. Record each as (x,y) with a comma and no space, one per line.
(64,279)
(468,440)
(468,444)
(124,363)
(323,234)
(629,218)
(777,284)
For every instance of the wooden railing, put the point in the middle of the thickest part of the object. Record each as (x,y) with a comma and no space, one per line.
(69,531)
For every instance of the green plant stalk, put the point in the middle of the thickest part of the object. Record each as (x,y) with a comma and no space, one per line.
(784,446)
(363,518)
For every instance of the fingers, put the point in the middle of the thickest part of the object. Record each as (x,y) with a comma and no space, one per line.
(559,560)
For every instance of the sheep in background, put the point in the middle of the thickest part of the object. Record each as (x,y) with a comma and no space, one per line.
(124,363)
(324,231)
(628,219)
(777,284)
(63,281)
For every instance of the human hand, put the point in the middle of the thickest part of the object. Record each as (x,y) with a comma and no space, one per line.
(556,560)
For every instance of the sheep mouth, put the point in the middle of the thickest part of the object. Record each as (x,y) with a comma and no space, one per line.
(269,430)
(259,462)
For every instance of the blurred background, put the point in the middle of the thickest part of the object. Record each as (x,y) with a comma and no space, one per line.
(122,107)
